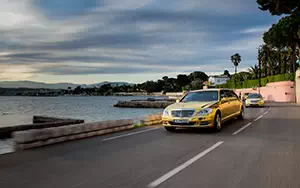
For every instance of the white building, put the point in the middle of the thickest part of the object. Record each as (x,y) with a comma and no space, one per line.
(218,79)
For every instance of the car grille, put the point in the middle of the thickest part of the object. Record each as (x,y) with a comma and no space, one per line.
(254,101)
(182,113)
(190,123)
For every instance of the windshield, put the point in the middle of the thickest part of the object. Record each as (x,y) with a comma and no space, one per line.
(253,96)
(201,96)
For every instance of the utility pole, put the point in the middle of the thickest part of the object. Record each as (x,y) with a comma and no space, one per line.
(259,72)
(235,77)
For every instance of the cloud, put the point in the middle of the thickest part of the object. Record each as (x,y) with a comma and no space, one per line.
(112,37)
(257,29)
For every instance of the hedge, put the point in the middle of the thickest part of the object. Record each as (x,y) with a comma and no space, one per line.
(254,83)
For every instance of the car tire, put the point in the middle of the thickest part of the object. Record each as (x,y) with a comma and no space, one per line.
(217,122)
(241,115)
(170,129)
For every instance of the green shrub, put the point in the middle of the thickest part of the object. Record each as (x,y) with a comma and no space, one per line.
(255,83)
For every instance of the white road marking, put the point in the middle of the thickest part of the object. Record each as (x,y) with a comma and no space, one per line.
(129,134)
(238,131)
(267,111)
(258,118)
(182,166)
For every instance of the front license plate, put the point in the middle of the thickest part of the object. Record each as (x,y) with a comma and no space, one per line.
(181,121)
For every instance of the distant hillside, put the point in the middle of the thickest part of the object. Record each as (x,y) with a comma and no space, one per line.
(30,84)
(113,84)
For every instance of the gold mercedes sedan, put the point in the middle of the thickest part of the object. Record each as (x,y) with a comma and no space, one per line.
(207,108)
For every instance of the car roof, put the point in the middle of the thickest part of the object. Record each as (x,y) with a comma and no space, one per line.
(254,94)
(211,89)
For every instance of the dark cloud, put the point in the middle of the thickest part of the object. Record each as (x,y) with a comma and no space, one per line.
(165,38)
(84,70)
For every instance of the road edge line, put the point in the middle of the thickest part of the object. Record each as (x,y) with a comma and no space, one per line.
(242,128)
(129,134)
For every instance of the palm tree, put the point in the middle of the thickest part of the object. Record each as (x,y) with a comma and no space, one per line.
(236,60)
(254,70)
(265,58)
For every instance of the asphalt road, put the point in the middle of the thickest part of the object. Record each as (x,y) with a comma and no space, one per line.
(261,151)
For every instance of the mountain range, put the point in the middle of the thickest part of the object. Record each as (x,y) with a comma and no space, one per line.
(63,85)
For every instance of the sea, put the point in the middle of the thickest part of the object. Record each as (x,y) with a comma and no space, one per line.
(16,110)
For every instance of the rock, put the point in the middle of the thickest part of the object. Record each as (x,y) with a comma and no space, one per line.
(143,104)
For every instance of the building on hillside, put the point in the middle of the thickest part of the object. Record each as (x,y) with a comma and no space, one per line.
(218,79)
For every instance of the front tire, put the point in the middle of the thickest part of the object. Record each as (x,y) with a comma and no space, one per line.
(170,129)
(217,122)
(241,115)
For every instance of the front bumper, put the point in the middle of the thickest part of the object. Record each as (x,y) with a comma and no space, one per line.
(194,122)
(248,104)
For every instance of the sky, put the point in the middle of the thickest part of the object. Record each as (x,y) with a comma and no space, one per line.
(92,41)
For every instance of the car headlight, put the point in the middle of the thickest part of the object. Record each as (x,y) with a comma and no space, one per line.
(166,113)
(204,112)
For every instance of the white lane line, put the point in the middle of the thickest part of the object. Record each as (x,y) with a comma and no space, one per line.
(182,166)
(258,118)
(238,131)
(129,134)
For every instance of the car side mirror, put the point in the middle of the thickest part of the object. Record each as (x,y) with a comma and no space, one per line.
(224,99)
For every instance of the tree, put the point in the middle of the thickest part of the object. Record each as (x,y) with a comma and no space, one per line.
(226,72)
(77,90)
(165,78)
(197,84)
(182,80)
(285,34)
(236,60)
(279,7)
(198,75)
(254,71)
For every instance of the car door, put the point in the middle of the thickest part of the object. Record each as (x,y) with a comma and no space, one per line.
(224,104)
(234,102)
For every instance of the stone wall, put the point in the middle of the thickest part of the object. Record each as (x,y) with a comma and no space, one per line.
(297,85)
(275,91)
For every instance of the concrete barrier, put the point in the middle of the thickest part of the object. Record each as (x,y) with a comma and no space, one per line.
(154,119)
(41,137)
(47,119)
(39,122)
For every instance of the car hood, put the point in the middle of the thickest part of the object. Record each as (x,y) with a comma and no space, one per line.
(194,105)
(254,99)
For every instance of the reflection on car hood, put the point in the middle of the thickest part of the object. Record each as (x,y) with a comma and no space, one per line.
(194,105)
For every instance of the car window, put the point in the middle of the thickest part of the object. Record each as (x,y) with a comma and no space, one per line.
(222,94)
(231,94)
(202,96)
(254,95)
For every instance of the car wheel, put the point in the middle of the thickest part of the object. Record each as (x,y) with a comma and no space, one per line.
(170,129)
(241,115)
(217,122)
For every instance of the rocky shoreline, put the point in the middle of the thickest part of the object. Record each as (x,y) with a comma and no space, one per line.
(149,103)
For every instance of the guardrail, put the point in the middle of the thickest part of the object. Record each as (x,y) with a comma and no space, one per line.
(41,137)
